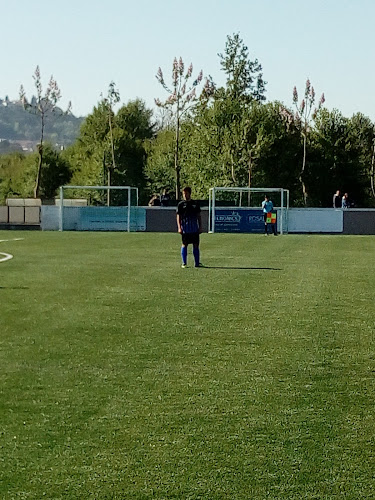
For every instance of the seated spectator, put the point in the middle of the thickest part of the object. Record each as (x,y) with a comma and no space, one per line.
(155,201)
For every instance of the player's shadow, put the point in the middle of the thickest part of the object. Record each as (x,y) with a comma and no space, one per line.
(245,268)
(14,287)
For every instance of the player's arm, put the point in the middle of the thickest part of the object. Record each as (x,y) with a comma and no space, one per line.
(199,223)
(179,228)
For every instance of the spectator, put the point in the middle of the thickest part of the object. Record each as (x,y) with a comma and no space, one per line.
(345,201)
(337,202)
(155,201)
(164,198)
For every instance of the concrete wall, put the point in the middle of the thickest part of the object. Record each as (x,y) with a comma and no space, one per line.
(162,219)
(359,221)
(315,220)
(4,217)
(21,211)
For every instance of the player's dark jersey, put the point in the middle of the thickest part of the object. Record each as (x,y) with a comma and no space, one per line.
(189,212)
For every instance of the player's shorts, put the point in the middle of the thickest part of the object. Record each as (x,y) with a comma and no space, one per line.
(265,217)
(190,238)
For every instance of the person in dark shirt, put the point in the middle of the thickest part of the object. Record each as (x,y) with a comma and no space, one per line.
(345,201)
(337,200)
(189,224)
(164,198)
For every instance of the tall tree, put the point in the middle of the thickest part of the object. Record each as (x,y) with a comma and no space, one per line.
(244,76)
(44,105)
(305,115)
(113,97)
(131,127)
(182,96)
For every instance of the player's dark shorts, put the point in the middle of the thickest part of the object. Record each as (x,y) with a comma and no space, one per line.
(265,217)
(190,238)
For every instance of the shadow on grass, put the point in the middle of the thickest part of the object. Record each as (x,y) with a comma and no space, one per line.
(245,268)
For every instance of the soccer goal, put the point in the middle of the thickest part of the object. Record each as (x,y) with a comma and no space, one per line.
(238,210)
(100,208)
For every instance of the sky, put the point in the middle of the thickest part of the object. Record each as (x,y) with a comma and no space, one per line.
(86,44)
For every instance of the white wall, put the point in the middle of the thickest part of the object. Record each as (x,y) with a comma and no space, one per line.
(315,220)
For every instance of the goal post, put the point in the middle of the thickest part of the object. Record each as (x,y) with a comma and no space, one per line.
(99,208)
(238,209)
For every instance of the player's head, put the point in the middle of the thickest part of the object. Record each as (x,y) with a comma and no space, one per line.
(186,192)
(266,197)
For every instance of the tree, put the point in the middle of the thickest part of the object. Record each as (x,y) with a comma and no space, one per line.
(160,171)
(43,106)
(182,96)
(341,155)
(362,136)
(265,150)
(55,172)
(244,77)
(232,106)
(304,117)
(113,97)
(123,142)
(17,173)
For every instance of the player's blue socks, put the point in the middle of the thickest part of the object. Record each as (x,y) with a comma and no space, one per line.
(184,255)
(196,256)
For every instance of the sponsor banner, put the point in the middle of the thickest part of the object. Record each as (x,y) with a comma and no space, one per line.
(242,220)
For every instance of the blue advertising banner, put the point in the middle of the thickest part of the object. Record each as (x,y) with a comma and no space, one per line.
(239,220)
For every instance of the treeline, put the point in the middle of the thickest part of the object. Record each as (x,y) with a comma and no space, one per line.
(16,125)
(227,136)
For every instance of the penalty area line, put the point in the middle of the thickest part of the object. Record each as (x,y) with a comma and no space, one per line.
(13,239)
(7,256)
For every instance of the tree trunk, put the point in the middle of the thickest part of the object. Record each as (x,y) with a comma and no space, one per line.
(176,161)
(233,169)
(372,171)
(40,161)
(304,190)
(108,184)
(37,180)
(249,185)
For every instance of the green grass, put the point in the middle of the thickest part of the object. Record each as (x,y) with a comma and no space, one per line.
(124,376)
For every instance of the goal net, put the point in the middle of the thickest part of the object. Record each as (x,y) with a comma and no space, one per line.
(100,208)
(239,210)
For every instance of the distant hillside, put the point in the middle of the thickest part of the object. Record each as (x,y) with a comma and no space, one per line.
(18,126)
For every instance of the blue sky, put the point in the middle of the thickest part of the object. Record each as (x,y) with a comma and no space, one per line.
(86,44)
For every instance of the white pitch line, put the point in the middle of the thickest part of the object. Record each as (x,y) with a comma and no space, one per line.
(14,239)
(7,256)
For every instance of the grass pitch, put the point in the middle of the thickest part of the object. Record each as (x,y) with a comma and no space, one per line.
(124,376)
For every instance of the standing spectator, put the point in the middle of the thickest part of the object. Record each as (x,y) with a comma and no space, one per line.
(345,201)
(164,198)
(337,202)
(267,207)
